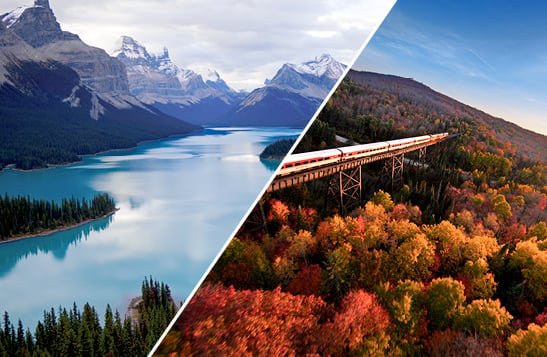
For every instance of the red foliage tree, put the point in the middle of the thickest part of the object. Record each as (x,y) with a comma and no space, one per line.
(308,281)
(224,321)
(359,328)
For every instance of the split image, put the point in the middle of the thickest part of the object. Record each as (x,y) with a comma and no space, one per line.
(130,142)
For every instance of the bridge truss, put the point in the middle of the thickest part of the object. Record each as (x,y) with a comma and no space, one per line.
(345,185)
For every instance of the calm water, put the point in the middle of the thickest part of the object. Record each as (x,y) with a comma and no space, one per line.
(179,199)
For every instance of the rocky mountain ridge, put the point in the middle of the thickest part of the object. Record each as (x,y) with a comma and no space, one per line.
(60,98)
(38,27)
(183,93)
(155,78)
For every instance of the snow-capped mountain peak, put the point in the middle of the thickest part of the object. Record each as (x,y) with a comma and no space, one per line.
(128,47)
(155,78)
(321,65)
(11,17)
(162,56)
(312,79)
(212,79)
(162,62)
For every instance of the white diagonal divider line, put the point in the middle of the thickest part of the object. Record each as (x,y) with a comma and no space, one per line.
(244,218)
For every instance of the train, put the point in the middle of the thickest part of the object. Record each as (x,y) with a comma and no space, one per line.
(307,160)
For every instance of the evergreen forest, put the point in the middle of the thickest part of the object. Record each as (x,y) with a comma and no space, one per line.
(277,150)
(451,263)
(75,332)
(22,216)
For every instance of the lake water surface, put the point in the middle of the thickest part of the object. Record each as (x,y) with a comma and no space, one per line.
(179,201)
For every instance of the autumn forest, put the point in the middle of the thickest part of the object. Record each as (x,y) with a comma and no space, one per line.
(452,262)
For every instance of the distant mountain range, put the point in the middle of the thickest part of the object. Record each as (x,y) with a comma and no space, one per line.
(60,98)
(288,99)
(183,93)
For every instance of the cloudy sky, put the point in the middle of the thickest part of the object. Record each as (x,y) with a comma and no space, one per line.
(491,55)
(246,41)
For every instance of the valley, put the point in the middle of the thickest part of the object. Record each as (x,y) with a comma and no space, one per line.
(61,98)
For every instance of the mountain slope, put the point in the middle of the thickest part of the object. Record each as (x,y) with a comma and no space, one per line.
(39,126)
(413,106)
(312,79)
(274,106)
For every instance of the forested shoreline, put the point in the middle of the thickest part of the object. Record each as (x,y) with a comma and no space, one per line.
(277,150)
(22,216)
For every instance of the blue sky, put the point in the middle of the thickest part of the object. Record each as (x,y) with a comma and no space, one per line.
(489,54)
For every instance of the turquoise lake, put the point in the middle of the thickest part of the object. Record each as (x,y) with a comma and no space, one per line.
(179,201)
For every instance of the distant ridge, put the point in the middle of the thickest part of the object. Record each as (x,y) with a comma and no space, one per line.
(427,101)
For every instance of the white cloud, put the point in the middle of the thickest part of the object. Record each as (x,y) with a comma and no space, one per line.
(245,40)
(432,45)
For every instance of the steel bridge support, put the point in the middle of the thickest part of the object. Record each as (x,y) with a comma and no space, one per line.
(421,154)
(256,221)
(393,171)
(345,189)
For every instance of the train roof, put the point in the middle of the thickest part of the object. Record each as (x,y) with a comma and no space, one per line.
(311,155)
(401,141)
(360,147)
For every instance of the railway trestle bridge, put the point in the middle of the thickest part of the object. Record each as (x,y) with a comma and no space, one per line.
(345,185)
(344,164)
